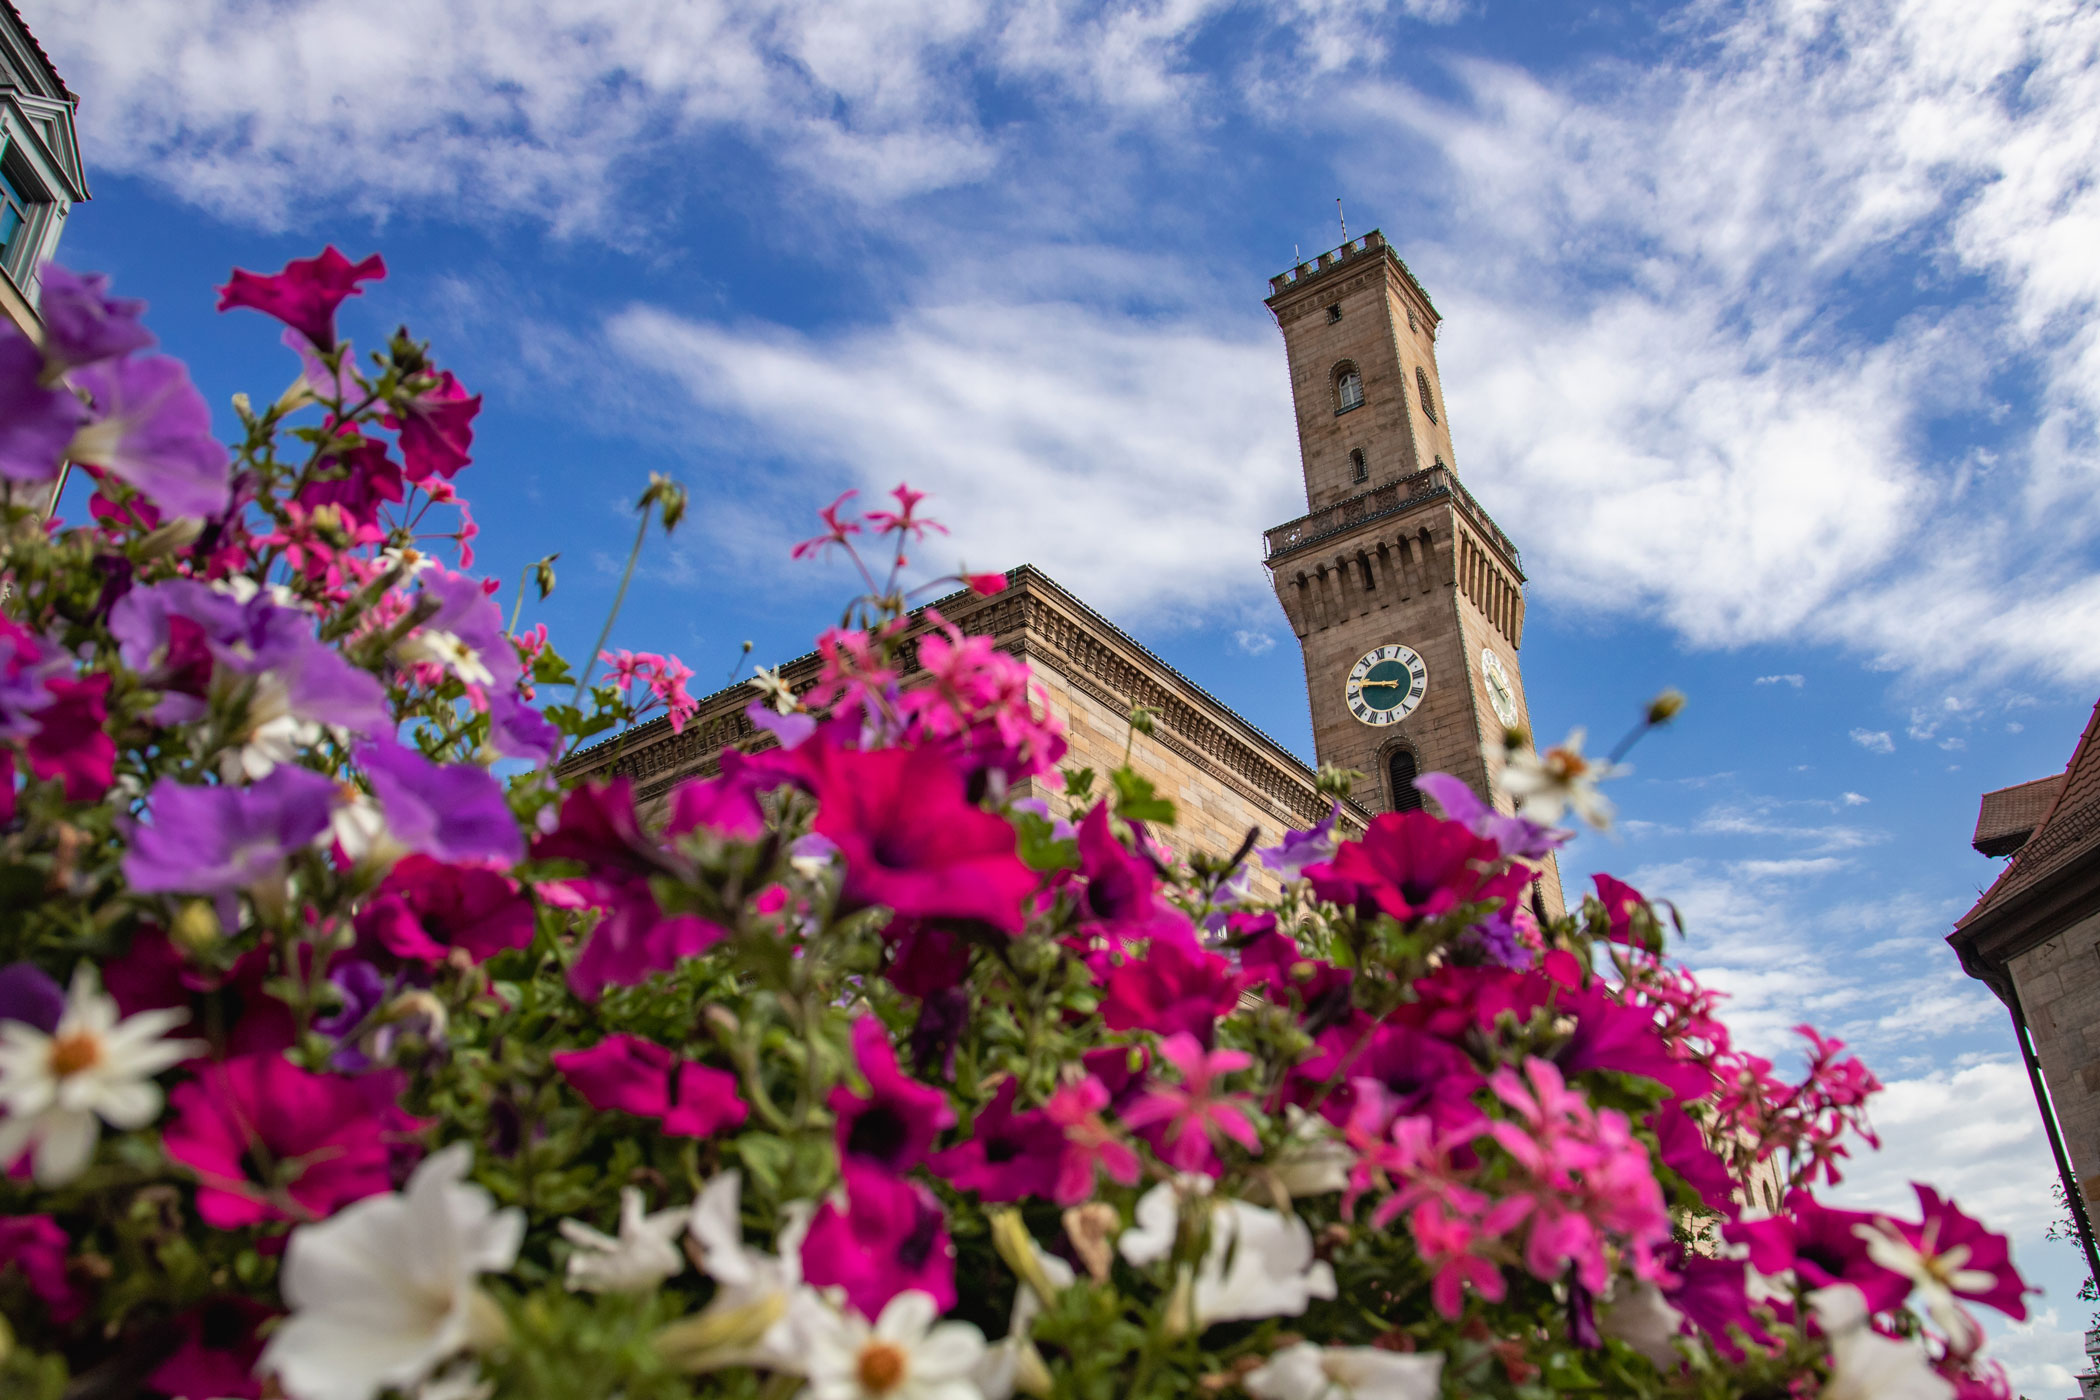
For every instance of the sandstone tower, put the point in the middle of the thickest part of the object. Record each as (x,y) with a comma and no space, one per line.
(1407,600)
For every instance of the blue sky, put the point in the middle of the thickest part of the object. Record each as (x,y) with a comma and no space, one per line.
(1768,335)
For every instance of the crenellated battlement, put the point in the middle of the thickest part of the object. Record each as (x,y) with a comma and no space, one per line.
(1350,255)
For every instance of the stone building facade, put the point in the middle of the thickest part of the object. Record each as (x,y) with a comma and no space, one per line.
(1407,600)
(2034,940)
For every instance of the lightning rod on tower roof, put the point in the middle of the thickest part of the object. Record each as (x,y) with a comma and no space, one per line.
(1343,217)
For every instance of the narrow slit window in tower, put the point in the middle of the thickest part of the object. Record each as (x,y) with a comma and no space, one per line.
(1359,469)
(1334,313)
(1422,388)
(1348,389)
(1401,768)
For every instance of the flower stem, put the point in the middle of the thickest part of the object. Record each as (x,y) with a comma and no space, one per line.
(590,663)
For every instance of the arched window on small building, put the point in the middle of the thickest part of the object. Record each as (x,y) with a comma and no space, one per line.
(1422,388)
(1348,388)
(1400,770)
(1359,469)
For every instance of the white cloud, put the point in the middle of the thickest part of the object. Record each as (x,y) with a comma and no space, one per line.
(1874,740)
(1854,799)
(269,113)
(1045,435)
(1793,679)
(1252,642)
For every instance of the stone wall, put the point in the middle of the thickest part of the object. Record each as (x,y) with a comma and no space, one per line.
(2058,983)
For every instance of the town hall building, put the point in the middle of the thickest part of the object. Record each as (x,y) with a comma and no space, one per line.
(1406,598)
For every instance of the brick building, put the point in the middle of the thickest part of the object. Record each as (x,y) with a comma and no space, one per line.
(2034,939)
(1407,600)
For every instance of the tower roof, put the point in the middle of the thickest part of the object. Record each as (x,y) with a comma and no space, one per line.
(1306,275)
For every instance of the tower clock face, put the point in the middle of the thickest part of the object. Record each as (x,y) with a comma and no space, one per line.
(1501,694)
(1386,684)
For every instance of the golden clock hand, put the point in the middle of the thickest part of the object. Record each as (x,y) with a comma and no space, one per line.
(1388,684)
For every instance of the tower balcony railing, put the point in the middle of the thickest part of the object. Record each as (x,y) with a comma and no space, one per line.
(1392,498)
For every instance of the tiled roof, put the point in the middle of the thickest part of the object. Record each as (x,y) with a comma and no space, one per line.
(44,58)
(2068,831)
(2009,816)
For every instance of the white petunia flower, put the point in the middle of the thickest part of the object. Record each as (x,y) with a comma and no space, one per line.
(1549,784)
(762,1310)
(1259,1263)
(58,1090)
(1313,1161)
(641,1258)
(357,825)
(275,735)
(1014,1357)
(1641,1317)
(1308,1371)
(384,1290)
(447,650)
(907,1355)
(777,692)
(1864,1365)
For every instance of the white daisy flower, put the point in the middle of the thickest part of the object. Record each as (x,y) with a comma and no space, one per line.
(907,1355)
(1549,784)
(385,1290)
(58,1089)
(446,649)
(642,1257)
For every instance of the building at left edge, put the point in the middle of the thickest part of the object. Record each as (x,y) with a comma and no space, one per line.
(40,173)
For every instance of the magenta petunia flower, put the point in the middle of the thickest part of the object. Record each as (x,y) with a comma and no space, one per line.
(1177,987)
(598,829)
(1821,1244)
(1411,865)
(453,812)
(305,294)
(1609,1034)
(83,323)
(1714,1296)
(1684,1151)
(438,430)
(37,420)
(1418,1073)
(324,1144)
(148,425)
(725,805)
(1949,1255)
(35,1246)
(634,939)
(1008,1156)
(70,742)
(637,1076)
(218,840)
(914,842)
(895,1123)
(221,1342)
(886,1236)
(1196,1113)
(426,908)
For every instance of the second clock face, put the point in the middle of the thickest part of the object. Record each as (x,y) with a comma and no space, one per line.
(1501,694)
(1386,684)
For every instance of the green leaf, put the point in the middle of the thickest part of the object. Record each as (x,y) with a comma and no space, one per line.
(1137,800)
(1040,846)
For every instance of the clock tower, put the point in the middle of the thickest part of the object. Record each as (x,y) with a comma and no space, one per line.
(1406,597)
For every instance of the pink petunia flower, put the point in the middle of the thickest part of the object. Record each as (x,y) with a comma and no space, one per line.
(305,294)
(1008,1156)
(881,1235)
(1090,1143)
(35,1246)
(1195,1113)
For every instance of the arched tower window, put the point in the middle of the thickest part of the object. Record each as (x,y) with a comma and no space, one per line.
(1348,388)
(1422,388)
(1359,469)
(1400,768)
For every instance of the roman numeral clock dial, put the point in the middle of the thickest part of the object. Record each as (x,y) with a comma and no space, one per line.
(1386,684)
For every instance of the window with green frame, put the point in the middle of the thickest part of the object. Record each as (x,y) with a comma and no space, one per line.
(17,217)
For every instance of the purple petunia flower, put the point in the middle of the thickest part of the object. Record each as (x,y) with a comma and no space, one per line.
(83,324)
(450,812)
(1298,849)
(149,425)
(1516,836)
(37,421)
(216,840)
(468,613)
(516,730)
(31,997)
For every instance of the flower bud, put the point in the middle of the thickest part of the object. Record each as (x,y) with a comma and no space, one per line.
(719,1337)
(1664,707)
(178,534)
(1017,1247)
(196,926)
